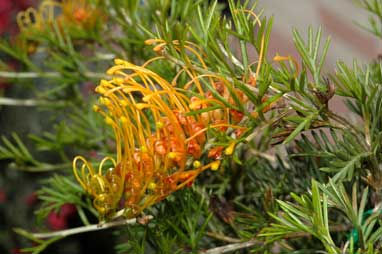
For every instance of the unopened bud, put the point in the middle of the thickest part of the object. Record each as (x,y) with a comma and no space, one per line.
(123,119)
(196,164)
(96,108)
(215,165)
(108,120)
(229,150)
(118,61)
(151,186)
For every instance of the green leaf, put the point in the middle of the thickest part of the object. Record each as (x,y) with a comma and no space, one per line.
(303,125)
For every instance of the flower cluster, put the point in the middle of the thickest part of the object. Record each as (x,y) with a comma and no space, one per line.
(80,13)
(73,15)
(158,143)
(66,12)
(36,19)
(161,132)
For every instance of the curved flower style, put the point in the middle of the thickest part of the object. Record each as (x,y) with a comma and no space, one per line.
(74,14)
(158,145)
(221,93)
(35,19)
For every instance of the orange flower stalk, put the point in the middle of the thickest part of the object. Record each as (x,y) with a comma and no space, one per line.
(279,58)
(158,145)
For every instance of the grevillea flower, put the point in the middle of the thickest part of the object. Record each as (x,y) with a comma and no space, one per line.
(221,93)
(66,12)
(221,103)
(80,13)
(35,20)
(161,131)
(158,144)
(74,15)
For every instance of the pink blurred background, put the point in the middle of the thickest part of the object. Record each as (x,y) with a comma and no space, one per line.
(338,20)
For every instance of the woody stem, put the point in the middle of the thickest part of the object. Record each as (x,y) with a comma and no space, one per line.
(92,227)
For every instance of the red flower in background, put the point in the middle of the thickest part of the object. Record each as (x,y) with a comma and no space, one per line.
(5,17)
(68,210)
(8,25)
(56,221)
(59,220)
(31,199)
(3,196)
(8,12)
(16,251)
(22,4)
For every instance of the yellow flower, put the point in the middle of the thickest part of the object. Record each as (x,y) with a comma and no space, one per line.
(156,141)
(80,13)
(35,20)
(72,13)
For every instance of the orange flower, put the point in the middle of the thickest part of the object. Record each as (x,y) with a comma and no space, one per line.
(80,13)
(156,142)
(35,20)
(75,14)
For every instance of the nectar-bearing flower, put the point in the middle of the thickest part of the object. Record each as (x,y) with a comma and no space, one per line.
(65,12)
(157,143)
(32,22)
(76,16)
(80,13)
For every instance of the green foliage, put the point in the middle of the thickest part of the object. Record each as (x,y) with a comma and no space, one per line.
(179,226)
(60,190)
(310,54)
(310,214)
(17,152)
(311,100)
(362,87)
(40,245)
(374,7)
(344,156)
(79,129)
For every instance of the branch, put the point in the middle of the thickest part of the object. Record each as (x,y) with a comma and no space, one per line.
(93,227)
(30,102)
(237,246)
(31,75)
(345,122)
(232,247)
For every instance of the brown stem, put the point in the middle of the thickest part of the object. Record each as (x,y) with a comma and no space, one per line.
(232,247)
(88,228)
(236,244)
